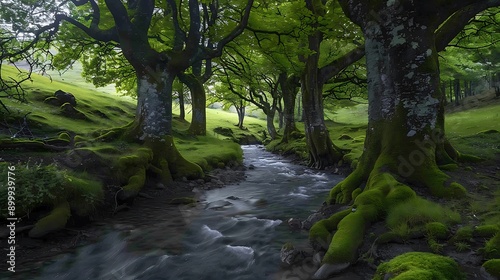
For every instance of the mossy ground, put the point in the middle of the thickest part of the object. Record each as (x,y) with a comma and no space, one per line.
(87,146)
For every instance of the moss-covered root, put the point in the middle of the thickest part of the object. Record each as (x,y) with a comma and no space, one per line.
(56,220)
(167,155)
(419,265)
(438,182)
(320,234)
(343,191)
(493,267)
(132,169)
(382,193)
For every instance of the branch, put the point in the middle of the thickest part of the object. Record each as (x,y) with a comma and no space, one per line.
(329,71)
(235,33)
(457,22)
(179,35)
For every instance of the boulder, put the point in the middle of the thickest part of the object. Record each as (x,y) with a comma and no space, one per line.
(311,220)
(69,111)
(290,255)
(65,97)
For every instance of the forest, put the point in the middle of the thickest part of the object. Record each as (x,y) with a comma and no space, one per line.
(215,139)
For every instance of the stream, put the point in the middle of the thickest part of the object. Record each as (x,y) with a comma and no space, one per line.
(237,234)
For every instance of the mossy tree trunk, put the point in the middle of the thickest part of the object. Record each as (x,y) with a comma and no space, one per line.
(198,124)
(153,125)
(322,151)
(405,141)
(289,87)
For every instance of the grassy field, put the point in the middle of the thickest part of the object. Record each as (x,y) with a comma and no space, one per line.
(106,111)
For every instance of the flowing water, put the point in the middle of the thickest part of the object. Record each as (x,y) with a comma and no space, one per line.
(237,234)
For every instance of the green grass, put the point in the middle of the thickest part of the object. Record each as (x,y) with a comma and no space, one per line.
(473,121)
(45,118)
(45,121)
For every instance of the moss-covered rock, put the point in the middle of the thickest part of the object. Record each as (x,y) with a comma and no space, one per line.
(486,230)
(419,266)
(493,267)
(436,230)
(64,136)
(69,111)
(56,220)
(492,247)
(463,234)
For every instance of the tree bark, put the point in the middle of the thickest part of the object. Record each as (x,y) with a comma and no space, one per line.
(198,124)
(289,87)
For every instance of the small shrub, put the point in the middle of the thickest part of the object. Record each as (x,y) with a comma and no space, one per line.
(36,185)
(462,246)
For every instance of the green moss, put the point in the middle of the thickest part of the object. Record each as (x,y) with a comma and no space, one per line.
(419,266)
(450,167)
(436,230)
(342,192)
(322,231)
(462,234)
(493,267)
(135,183)
(456,191)
(492,247)
(418,212)
(356,192)
(437,182)
(64,136)
(182,200)
(486,230)
(347,239)
(470,158)
(399,194)
(56,220)
(83,193)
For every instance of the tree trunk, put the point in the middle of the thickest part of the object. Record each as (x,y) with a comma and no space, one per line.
(240,110)
(271,129)
(289,87)
(322,151)
(182,109)
(198,100)
(457,91)
(405,136)
(152,127)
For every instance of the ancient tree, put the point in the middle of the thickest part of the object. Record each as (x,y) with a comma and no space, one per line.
(405,140)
